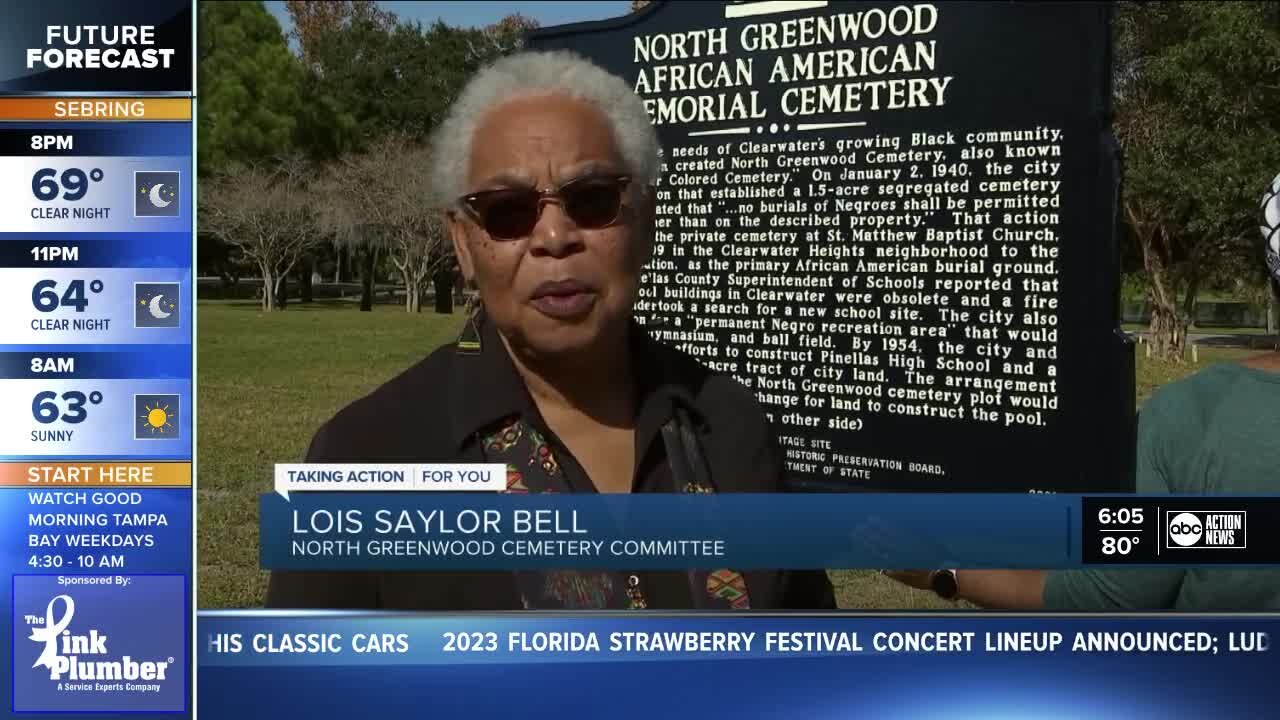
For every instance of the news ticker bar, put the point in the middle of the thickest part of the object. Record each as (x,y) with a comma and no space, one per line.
(249,638)
(354,530)
(903,667)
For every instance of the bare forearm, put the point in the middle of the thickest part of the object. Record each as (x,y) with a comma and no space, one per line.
(1003,589)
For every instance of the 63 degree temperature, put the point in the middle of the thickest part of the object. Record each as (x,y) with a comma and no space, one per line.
(70,407)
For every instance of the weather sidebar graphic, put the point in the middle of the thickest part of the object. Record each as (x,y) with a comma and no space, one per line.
(96,359)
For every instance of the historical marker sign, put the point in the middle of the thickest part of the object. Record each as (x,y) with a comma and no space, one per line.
(895,222)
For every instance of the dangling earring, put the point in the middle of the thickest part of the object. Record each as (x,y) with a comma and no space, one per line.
(635,597)
(469,338)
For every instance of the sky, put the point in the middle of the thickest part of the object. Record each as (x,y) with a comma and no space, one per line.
(485,13)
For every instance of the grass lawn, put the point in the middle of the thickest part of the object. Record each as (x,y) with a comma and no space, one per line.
(267,382)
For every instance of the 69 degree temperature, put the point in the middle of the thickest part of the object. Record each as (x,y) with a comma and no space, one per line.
(71,184)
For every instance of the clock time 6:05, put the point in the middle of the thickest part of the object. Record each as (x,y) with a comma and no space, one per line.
(1120,516)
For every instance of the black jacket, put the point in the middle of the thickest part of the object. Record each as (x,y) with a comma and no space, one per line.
(435,412)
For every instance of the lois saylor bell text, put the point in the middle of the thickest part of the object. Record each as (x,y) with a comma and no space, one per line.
(437,522)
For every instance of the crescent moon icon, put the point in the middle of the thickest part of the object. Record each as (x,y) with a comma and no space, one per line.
(155,197)
(156,311)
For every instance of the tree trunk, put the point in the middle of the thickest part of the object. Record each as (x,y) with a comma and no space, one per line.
(282,291)
(1190,300)
(443,282)
(1167,333)
(337,265)
(366,279)
(1273,311)
(268,291)
(304,281)
(1168,330)
(410,292)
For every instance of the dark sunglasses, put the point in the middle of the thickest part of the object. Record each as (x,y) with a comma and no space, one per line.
(591,202)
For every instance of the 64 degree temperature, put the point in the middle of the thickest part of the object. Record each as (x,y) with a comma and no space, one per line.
(46,298)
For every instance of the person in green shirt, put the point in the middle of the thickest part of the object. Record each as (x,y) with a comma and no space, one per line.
(1216,432)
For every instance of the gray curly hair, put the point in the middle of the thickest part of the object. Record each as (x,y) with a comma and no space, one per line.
(557,72)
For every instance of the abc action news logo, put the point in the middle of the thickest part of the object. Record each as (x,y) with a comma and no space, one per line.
(1219,529)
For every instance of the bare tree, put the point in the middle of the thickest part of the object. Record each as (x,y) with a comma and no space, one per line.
(501,38)
(264,212)
(376,199)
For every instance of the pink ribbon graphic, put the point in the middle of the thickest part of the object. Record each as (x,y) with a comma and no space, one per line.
(49,633)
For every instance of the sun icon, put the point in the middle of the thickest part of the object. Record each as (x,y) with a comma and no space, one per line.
(157,418)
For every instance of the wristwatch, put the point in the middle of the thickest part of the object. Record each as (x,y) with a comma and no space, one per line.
(945,583)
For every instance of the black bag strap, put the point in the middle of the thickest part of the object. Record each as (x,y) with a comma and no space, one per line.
(689,468)
(517,445)
(714,589)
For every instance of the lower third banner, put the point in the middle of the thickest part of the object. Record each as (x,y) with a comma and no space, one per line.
(318,664)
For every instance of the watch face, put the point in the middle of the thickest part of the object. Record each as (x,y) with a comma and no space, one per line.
(944,583)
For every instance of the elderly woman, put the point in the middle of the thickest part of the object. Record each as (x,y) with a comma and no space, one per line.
(546,167)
